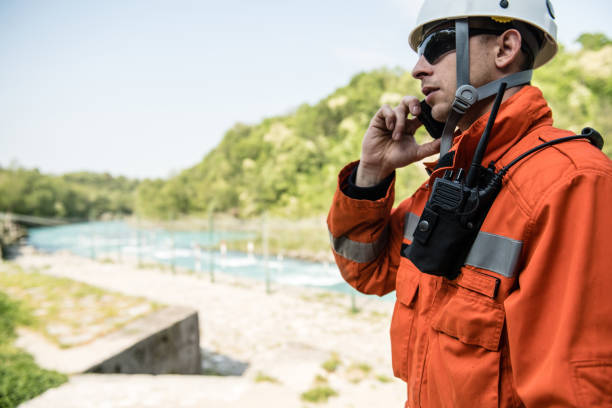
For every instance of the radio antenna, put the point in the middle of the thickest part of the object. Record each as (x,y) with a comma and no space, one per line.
(472,176)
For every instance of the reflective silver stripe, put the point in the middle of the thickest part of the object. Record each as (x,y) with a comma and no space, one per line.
(410,223)
(495,253)
(489,251)
(360,252)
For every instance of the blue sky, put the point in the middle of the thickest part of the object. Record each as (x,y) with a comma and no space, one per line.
(147,88)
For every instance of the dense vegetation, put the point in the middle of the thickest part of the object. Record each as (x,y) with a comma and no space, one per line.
(20,378)
(79,195)
(287,165)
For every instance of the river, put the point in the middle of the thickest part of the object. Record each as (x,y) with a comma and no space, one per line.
(184,249)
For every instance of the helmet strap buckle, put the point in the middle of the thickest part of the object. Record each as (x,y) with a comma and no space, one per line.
(465,97)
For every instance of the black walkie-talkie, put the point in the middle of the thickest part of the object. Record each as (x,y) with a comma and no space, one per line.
(455,211)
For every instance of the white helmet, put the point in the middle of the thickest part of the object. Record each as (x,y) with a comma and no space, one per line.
(534,19)
(539,14)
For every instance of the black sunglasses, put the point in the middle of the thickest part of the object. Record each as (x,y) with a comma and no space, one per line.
(440,42)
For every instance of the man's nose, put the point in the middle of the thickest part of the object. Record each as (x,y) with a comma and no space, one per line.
(422,68)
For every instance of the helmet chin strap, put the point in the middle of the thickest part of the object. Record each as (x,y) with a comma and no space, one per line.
(466,95)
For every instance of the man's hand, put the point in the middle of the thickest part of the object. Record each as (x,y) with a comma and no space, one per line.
(389,142)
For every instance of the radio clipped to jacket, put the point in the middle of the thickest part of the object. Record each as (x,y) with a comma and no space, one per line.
(458,205)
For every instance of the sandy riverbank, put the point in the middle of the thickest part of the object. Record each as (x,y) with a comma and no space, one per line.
(286,335)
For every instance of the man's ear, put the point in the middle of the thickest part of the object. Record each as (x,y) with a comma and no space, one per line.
(508,50)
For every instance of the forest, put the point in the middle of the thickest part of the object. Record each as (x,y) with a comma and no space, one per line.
(76,196)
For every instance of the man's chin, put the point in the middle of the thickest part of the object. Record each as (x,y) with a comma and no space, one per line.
(439,112)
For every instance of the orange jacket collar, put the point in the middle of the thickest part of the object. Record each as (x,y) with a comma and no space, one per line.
(528,104)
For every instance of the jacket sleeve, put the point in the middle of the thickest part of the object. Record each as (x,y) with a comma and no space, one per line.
(366,238)
(559,319)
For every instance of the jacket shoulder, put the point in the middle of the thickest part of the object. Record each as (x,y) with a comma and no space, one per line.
(535,175)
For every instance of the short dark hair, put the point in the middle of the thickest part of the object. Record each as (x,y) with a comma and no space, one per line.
(527,58)
(531,38)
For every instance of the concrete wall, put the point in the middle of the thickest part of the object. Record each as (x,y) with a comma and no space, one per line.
(165,342)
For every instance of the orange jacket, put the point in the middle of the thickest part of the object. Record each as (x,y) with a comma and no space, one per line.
(528,322)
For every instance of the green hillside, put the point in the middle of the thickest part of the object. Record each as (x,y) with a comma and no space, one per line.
(287,165)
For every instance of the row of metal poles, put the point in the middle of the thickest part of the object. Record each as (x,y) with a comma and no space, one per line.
(197,249)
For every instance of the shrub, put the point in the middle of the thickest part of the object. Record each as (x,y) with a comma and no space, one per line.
(20,378)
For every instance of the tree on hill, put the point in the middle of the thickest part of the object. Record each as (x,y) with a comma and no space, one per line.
(593,42)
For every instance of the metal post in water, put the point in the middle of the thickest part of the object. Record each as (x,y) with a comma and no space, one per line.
(170,227)
(197,254)
(139,237)
(93,242)
(265,251)
(107,244)
(118,244)
(211,232)
(172,253)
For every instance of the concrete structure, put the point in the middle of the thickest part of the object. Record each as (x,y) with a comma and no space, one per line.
(164,342)
(161,349)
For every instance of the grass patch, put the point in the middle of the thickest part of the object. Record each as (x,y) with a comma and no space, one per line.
(322,296)
(153,265)
(319,394)
(383,378)
(357,372)
(262,377)
(12,313)
(320,380)
(332,364)
(363,367)
(20,378)
(67,312)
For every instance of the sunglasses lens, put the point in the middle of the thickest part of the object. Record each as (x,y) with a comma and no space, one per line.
(437,44)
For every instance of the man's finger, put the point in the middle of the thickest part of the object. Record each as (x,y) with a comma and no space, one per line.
(409,104)
(401,113)
(412,104)
(428,149)
(390,118)
(384,119)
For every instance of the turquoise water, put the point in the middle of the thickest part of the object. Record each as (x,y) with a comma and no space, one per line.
(180,248)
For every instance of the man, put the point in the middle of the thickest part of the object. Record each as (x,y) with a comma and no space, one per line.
(525,319)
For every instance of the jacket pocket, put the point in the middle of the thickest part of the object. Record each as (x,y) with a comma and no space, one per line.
(464,360)
(402,323)
(592,381)
(469,317)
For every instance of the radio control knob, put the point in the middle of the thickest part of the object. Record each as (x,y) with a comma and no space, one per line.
(424,226)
